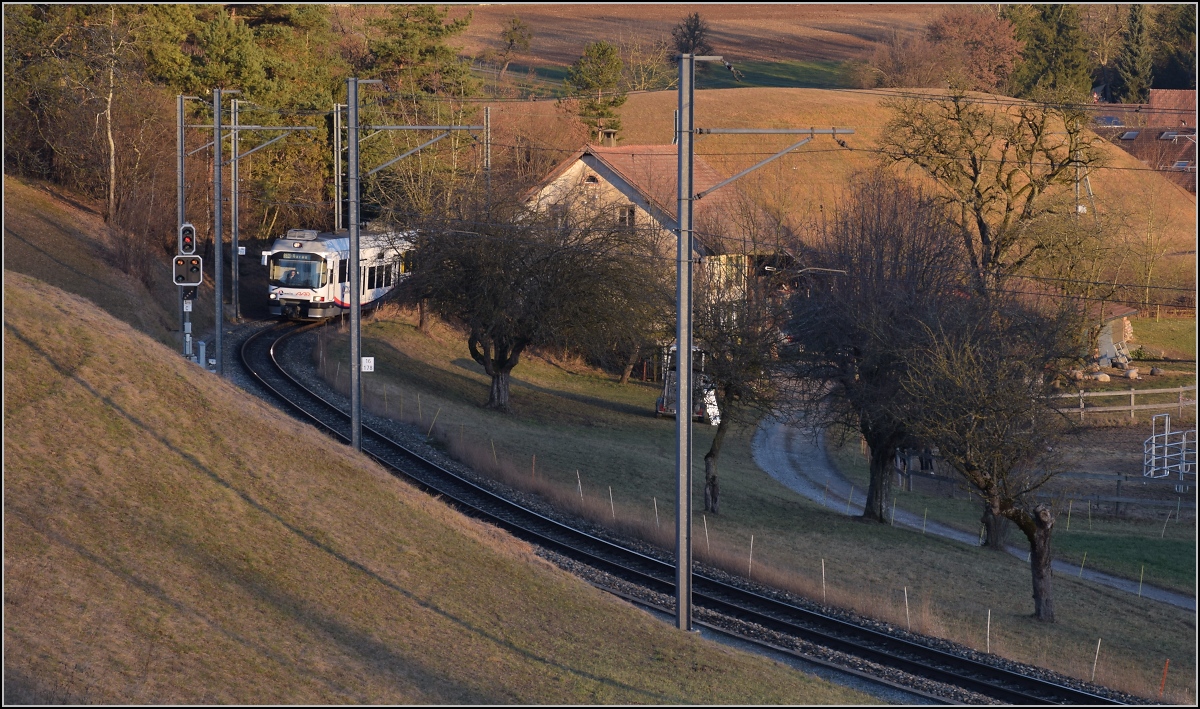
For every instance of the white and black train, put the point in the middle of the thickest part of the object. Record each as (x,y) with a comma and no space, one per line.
(309,276)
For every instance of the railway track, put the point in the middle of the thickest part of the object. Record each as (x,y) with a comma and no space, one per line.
(767,617)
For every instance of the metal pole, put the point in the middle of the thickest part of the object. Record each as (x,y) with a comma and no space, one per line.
(218,266)
(487,153)
(683,353)
(185,318)
(233,214)
(355,278)
(337,165)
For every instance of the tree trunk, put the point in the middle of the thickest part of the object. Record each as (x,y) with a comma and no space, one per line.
(423,319)
(628,370)
(879,493)
(712,488)
(498,398)
(111,208)
(498,361)
(995,527)
(1037,528)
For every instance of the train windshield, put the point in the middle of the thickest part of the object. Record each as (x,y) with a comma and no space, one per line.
(293,270)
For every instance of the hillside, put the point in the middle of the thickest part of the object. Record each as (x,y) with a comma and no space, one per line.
(63,241)
(170,539)
(802,185)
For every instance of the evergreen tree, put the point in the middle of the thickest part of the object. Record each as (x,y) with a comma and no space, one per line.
(1055,59)
(1173,37)
(414,56)
(596,73)
(1135,62)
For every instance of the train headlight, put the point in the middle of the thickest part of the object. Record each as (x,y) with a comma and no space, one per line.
(274,296)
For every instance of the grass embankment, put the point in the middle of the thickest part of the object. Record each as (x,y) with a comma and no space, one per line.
(170,539)
(572,418)
(66,244)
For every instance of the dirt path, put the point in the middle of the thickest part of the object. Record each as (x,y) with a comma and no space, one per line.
(797,459)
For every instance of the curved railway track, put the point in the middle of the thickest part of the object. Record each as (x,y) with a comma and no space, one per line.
(259,356)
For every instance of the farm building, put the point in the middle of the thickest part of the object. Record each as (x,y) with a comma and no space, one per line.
(636,187)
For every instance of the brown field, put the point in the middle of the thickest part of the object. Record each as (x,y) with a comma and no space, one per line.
(746,32)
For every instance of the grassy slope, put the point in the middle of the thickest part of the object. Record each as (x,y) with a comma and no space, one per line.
(65,244)
(811,180)
(159,548)
(573,419)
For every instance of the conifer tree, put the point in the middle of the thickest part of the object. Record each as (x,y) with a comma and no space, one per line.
(1055,59)
(1173,36)
(596,75)
(1135,63)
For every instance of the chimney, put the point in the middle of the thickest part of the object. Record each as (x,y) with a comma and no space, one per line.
(608,138)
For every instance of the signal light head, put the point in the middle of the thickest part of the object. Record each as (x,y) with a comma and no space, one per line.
(187,239)
(188,270)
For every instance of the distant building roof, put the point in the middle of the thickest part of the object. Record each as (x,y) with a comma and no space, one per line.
(1171,151)
(1181,100)
(1166,108)
(1107,312)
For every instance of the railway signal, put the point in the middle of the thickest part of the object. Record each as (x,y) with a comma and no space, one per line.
(187,239)
(189,270)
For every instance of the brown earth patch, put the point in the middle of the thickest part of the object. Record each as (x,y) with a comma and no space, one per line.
(745,32)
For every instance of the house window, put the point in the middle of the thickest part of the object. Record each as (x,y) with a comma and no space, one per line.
(1168,135)
(627,216)
(591,181)
(1181,165)
(1130,134)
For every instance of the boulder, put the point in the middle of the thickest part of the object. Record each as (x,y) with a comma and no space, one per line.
(1131,373)
(1075,375)
(1099,377)
(1093,368)
(1156,371)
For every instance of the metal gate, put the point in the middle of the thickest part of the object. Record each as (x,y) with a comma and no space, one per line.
(1168,453)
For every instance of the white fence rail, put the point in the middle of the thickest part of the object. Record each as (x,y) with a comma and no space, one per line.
(1132,406)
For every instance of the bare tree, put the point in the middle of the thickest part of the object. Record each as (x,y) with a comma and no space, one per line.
(997,166)
(515,36)
(691,35)
(739,319)
(855,331)
(983,394)
(516,278)
(646,64)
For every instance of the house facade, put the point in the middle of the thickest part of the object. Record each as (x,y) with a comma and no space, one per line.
(636,187)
